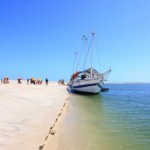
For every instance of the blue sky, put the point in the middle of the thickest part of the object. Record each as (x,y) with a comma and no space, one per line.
(38,37)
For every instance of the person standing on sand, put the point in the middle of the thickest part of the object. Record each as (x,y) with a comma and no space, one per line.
(27,81)
(1,80)
(46,80)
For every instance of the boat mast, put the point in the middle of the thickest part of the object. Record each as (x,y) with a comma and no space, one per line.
(85,49)
(92,53)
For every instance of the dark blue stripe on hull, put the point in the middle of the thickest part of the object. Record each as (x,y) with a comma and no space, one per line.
(80,86)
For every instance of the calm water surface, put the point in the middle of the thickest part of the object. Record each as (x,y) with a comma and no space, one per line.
(115,120)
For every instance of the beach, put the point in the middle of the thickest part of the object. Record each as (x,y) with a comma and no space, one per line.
(30,114)
(40,117)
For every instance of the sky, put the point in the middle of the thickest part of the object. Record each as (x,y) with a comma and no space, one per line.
(38,38)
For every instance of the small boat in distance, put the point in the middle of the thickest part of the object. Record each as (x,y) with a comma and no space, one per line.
(88,80)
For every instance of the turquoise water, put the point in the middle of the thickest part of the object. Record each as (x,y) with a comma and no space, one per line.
(115,120)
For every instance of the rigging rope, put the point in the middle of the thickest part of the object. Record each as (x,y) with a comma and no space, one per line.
(86,52)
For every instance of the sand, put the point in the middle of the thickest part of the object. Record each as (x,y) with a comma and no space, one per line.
(30,115)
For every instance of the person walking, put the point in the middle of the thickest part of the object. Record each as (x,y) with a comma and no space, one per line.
(46,80)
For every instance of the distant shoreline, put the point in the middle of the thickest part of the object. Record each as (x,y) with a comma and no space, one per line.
(127,83)
(52,81)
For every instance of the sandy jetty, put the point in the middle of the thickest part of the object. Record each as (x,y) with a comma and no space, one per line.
(28,114)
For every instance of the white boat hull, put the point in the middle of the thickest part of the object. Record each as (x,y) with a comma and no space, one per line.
(86,86)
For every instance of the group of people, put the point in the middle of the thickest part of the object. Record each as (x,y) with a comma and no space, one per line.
(61,82)
(5,80)
(36,81)
(78,74)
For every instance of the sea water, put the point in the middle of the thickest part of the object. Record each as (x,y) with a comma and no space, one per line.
(114,120)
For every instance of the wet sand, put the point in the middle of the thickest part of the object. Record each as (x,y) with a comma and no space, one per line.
(30,115)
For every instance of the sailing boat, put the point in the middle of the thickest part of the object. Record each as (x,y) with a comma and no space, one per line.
(88,80)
